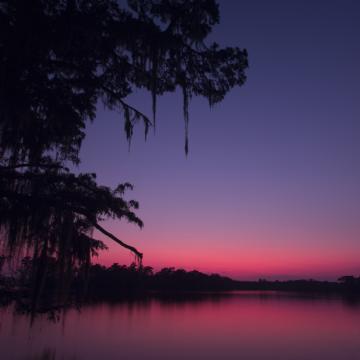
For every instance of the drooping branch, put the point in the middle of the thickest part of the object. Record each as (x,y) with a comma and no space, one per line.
(69,194)
(127,109)
(126,105)
(114,238)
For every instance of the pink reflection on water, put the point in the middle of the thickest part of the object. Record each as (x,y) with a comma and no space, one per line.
(246,326)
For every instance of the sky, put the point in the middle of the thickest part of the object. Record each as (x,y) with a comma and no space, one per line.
(270,188)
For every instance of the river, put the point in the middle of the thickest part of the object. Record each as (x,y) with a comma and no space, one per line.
(243,325)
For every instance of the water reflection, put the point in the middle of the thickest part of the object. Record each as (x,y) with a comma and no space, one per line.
(47,354)
(247,325)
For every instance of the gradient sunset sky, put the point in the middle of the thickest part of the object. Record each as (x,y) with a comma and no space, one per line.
(271,186)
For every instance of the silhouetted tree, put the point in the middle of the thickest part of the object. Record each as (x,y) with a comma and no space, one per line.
(58,60)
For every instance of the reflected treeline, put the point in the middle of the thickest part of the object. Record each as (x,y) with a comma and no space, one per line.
(46,354)
(120,281)
(118,278)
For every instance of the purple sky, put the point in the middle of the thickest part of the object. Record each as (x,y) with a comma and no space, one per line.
(271,184)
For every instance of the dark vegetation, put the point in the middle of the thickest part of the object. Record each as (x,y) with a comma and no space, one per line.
(116,277)
(60,59)
(120,282)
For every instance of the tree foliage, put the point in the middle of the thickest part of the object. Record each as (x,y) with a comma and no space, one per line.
(58,60)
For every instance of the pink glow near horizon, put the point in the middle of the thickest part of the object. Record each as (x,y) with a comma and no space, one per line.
(241,262)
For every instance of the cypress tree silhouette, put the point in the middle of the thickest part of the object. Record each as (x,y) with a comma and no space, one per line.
(58,60)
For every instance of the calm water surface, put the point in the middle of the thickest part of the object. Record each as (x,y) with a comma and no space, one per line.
(238,326)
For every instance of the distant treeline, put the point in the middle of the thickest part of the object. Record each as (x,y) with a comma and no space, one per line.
(120,280)
(117,278)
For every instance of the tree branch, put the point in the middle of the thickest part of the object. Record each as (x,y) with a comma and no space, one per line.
(125,105)
(114,238)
